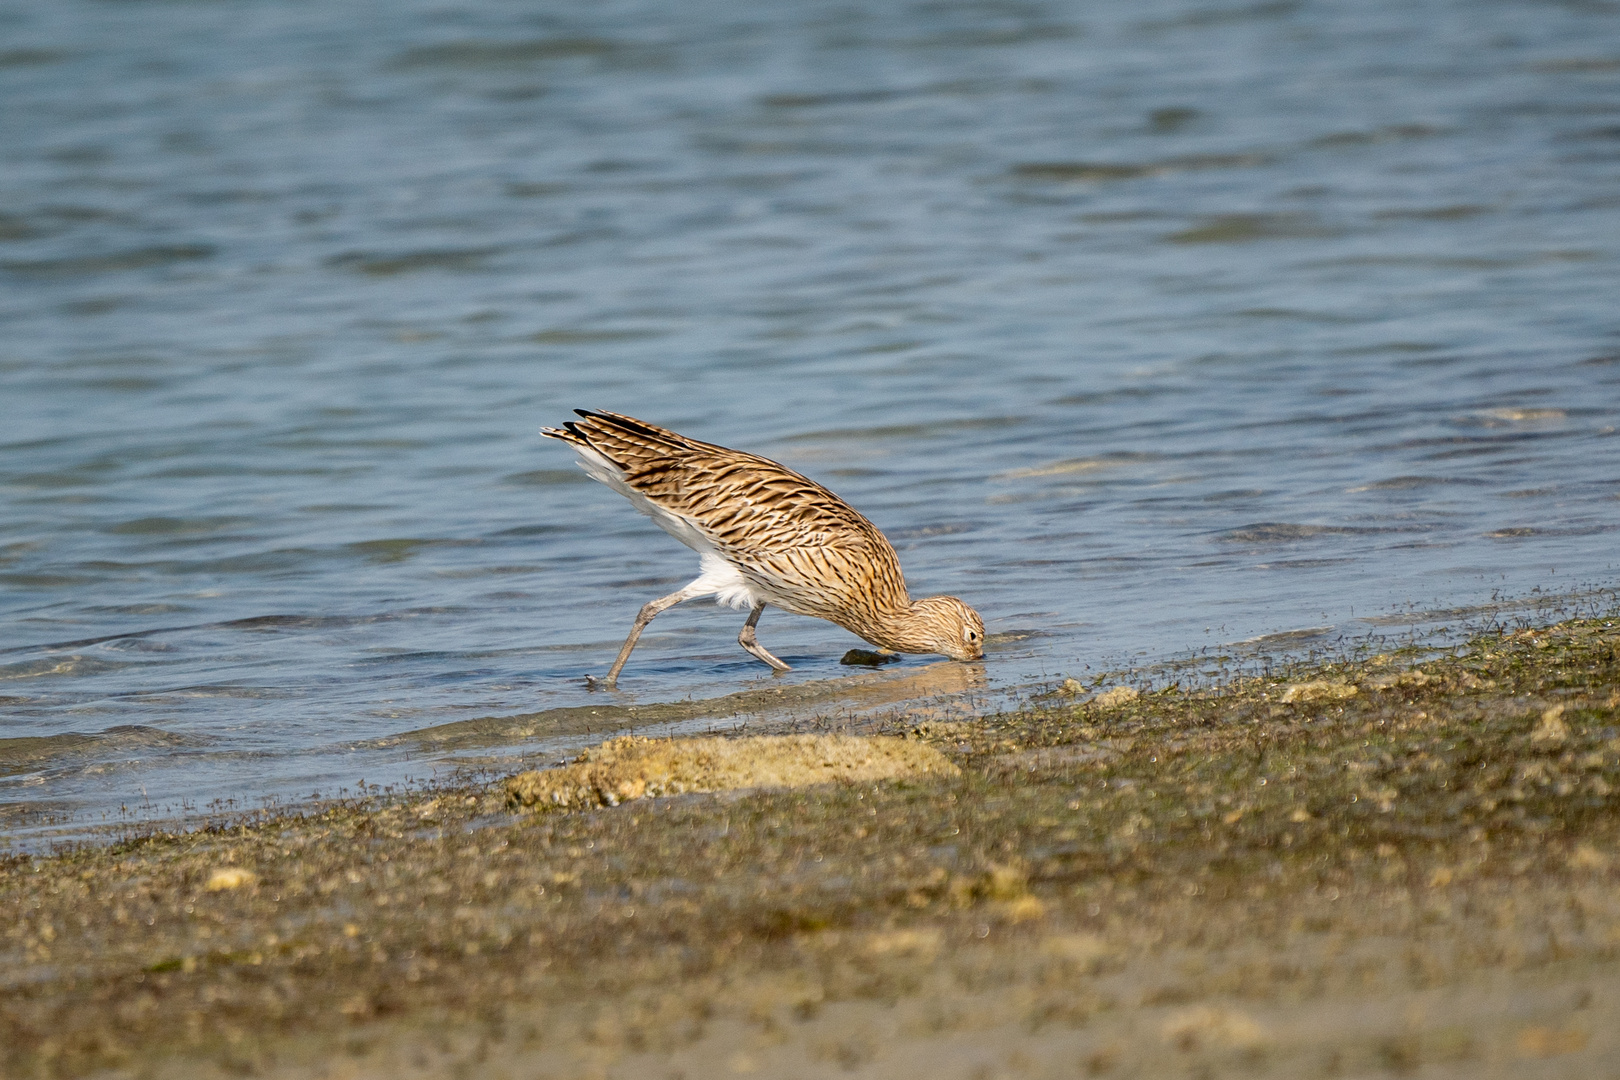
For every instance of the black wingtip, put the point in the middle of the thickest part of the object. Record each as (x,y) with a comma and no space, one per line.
(629,424)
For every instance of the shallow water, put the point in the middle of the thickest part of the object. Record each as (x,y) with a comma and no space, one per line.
(1143,327)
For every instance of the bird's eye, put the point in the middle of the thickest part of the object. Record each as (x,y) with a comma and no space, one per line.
(972,636)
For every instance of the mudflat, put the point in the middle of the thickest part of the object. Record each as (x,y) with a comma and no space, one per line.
(1393,864)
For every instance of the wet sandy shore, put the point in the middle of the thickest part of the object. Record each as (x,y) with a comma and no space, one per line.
(1399,864)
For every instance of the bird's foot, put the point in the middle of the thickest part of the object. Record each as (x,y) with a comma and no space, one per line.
(777,666)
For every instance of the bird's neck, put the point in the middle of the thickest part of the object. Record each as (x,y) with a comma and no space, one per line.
(904,627)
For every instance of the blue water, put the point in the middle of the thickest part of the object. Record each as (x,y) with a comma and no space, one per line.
(1141,326)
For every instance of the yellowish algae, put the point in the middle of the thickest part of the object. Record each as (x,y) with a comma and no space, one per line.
(1318,690)
(1115,696)
(631,767)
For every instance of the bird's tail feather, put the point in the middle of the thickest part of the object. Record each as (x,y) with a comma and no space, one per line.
(623,440)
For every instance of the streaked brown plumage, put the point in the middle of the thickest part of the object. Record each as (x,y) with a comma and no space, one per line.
(765,535)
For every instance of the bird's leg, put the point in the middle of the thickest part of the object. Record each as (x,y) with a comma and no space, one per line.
(748,641)
(648,612)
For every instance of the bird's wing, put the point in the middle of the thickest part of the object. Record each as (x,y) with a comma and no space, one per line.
(779,527)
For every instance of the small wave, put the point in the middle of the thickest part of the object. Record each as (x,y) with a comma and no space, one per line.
(1095,172)
(564,336)
(388,265)
(994,36)
(1498,417)
(136,259)
(1218,16)
(13,227)
(1123,394)
(140,645)
(180,696)
(299,622)
(1283,639)
(534,190)
(1297,315)
(10,553)
(1520,531)
(1455,212)
(545,477)
(170,526)
(1579,64)
(492,571)
(1408,483)
(401,548)
(1070,466)
(1272,532)
(906,431)
(1059,468)
(520,531)
(31,752)
(47,666)
(1247,228)
(503,54)
(1393,133)
(942,528)
(31,57)
(252,622)
(832,97)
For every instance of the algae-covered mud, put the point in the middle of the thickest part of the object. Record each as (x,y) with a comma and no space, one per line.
(637,768)
(1401,863)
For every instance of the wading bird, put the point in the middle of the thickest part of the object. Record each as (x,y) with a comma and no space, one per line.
(765,535)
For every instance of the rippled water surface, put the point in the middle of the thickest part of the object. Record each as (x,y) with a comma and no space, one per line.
(1142,326)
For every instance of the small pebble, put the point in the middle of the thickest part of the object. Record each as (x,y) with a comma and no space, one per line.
(229,878)
(868,658)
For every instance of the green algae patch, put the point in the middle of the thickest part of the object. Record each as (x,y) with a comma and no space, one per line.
(635,768)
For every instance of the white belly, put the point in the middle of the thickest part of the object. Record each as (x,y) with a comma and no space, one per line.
(719,578)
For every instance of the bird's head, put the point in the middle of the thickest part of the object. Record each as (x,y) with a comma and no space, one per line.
(946,625)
